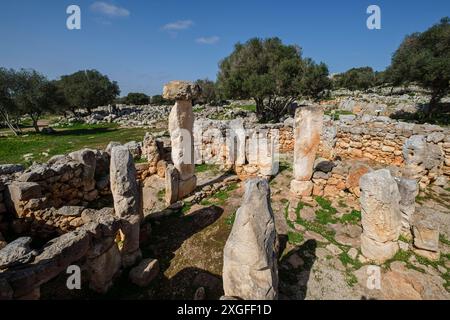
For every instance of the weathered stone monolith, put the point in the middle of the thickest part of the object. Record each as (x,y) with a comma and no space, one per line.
(307,131)
(250,257)
(409,189)
(381,215)
(181,123)
(127,205)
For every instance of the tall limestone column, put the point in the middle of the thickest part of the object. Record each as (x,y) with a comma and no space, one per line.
(307,132)
(250,269)
(381,215)
(127,204)
(181,123)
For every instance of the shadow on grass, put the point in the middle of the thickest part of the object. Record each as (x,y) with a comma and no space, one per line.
(294,278)
(81,132)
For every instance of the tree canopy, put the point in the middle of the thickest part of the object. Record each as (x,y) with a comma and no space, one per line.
(27,92)
(136,98)
(208,91)
(271,73)
(89,89)
(424,58)
(356,79)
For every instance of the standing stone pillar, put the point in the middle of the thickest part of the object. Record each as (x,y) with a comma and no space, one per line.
(409,190)
(127,205)
(307,132)
(381,215)
(250,259)
(181,123)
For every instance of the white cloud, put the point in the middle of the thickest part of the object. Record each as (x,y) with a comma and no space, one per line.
(178,25)
(109,10)
(208,40)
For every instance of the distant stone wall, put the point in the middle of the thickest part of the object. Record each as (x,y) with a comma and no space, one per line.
(250,148)
(378,139)
(390,142)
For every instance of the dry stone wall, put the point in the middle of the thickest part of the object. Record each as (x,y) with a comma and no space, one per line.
(47,199)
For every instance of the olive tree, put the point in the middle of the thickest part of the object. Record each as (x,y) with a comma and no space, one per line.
(271,73)
(424,58)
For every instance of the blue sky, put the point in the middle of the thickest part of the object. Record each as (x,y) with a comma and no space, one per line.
(144,43)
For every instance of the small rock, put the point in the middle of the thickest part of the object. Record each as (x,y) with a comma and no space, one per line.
(403,245)
(145,272)
(333,249)
(200,294)
(70,211)
(352,253)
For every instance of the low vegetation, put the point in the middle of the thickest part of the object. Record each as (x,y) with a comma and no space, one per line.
(41,147)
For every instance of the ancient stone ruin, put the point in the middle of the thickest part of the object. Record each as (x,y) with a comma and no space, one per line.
(250,256)
(277,185)
(307,131)
(181,179)
(381,215)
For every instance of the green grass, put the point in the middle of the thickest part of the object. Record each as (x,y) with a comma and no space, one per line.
(206,167)
(348,261)
(336,114)
(353,217)
(350,278)
(230,219)
(64,141)
(220,197)
(443,239)
(315,226)
(250,107)
(404,239)
(186,208)
(161,194)
(325,215)
(295,237)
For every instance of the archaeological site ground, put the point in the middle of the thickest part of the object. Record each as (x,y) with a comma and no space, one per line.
(282,178)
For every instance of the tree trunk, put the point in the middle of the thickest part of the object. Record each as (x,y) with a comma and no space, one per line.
(35,119)
(4,114)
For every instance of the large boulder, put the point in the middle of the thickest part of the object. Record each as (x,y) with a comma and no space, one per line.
(181,90)
(250,257)
(381,216)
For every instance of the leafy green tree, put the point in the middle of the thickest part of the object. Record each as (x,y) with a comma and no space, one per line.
(271,73)
(36,95)
(208,91)
(424,58)
(136,98)
(89,89)
(356,79)
(158,100)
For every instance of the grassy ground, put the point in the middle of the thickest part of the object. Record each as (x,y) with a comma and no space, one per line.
(65,140)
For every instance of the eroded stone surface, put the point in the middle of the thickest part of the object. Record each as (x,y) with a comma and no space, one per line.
(250,263)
